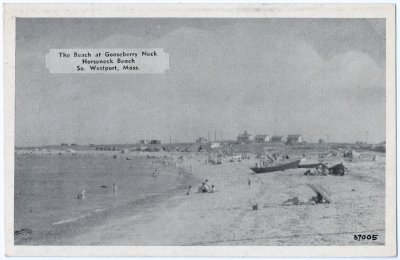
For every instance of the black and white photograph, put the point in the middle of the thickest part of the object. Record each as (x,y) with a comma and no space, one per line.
(202,131)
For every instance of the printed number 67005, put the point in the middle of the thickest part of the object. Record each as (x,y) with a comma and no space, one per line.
(365,237)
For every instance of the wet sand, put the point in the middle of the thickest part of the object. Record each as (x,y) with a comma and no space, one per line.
(226,217)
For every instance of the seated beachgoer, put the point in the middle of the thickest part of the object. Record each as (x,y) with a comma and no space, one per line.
(205,186)
(202,187)
(312,172)
(292,201)
(315,172)
(317,199)
(212,189)
(189,191)
(324,169)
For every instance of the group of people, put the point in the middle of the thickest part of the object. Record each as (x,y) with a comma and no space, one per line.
(205,187)
(321,170)
(262,163)
(317,199)
(269,158)
(213,160)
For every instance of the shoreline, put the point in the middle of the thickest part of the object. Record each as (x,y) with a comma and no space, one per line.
(64,229)
(226,217)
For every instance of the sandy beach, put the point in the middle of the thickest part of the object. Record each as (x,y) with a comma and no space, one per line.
(165,215)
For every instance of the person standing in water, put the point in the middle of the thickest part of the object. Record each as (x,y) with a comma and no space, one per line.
(81,196)
(115,190)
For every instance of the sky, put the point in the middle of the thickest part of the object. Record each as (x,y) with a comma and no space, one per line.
(322,78)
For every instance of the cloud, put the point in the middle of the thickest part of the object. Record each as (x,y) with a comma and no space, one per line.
(266,76)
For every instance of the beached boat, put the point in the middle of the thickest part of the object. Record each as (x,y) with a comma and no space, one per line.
(274,168)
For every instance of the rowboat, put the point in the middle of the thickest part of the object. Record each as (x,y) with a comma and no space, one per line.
(274,168)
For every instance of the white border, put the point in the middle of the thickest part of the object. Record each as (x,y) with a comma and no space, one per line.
(201,10)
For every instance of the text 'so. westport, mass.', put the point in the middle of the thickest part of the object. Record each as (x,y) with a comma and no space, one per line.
(107,61)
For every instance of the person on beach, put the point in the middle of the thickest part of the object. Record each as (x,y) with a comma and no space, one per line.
(212,189)
(207,184)
(155,174)
(201,187)
(81,196)
(249,182)
(204,187)
(115,190)
(317,199)
(325,169)
(292,201)
(304,159)
(189,191)
(190,171)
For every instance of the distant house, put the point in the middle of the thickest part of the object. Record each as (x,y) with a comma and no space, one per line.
(277,139)
(144,141)
(294,139)
(245,138)
(201,140)
(262,138)
(155,141)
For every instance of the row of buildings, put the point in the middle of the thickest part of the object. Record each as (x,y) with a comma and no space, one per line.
(249,138)
(154,141)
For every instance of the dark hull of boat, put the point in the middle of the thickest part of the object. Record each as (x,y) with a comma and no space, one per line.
(336,166)
(291,165)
